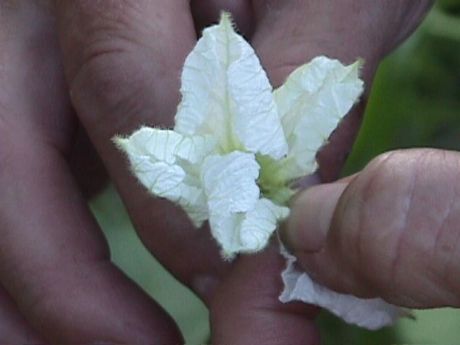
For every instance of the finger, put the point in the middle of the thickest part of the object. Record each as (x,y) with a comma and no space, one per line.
(246,309)
(14,329)
(302,36)
(123,64)
(305,29)
(290,33)
(206,13)
(54,263)
(391,232)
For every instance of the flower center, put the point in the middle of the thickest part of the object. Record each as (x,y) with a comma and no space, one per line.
(271,182)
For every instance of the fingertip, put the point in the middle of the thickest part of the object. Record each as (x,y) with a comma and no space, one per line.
(311,215)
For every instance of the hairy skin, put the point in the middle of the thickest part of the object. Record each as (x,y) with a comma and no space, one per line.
(122,61)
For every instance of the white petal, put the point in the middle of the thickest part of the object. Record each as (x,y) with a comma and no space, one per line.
(226,93)
(195,149)
(229,182)
(247,232)
(368,313)
(167,164)
(152,156)
(233,202)
(159,145)
(311,103)
(259,224)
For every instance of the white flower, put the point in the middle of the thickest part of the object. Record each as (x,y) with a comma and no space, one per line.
(237,146)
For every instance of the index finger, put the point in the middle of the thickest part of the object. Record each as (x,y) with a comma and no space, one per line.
(123,61)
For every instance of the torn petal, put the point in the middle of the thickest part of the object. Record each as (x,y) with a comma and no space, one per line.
(372,313)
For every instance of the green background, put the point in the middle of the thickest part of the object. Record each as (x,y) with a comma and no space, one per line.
(415,102)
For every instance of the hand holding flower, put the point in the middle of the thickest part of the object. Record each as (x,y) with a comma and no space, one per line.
(122,62)
(237,149)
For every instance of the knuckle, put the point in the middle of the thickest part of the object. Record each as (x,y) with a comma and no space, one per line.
(112,73)
(100,30)
(100,33)
(109,85)
(101,81)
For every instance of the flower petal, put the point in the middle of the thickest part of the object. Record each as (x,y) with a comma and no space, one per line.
(239,221)
(247,232)
(372,313)
(229,182)
(167,164)
(226,93)
(311,103)
(260,223)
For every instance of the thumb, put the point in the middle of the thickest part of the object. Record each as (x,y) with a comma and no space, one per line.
(390,231)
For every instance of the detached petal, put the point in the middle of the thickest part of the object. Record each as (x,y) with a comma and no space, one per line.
(311,103)
(226,93)
(372,313)
(167,164)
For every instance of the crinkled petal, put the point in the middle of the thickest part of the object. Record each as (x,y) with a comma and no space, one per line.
(167,164)
(368,313)
(247,232)
(152,156)
(229,182)
(312,102)
(194,149)
(260,223)
(226,93)
(233,202)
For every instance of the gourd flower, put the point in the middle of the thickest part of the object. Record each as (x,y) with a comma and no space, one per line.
(238,147)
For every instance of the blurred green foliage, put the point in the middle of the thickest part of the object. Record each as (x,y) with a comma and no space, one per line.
(415,102)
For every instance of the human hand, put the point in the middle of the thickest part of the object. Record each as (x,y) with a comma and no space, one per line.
(122,61)
(389,231)
(57,282)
